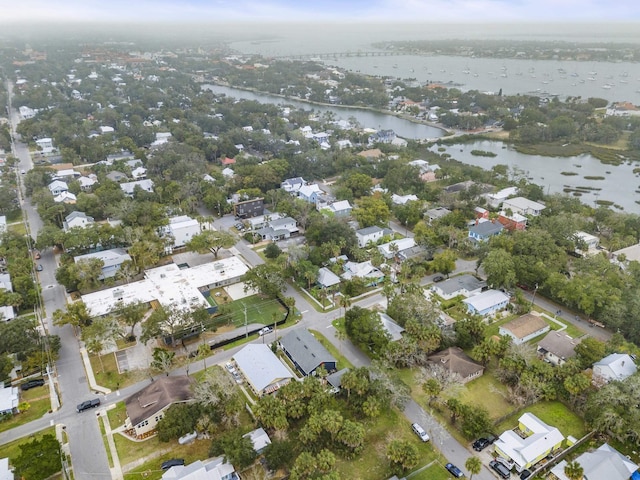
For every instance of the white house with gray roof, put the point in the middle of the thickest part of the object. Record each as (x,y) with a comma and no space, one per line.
(465,285)
(604,463)
(129,187)
(112,259)
(77,220)
(523,206)
(392,328)
(264,372)
(370,235)
(57,187)
(486,303)
(616,366)
(306,352)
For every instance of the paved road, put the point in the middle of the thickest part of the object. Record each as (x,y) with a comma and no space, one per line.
(88,455)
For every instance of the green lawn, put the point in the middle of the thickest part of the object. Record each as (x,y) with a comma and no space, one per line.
(105,370)
(258,310)
(39,404)
(12,450)
(101,419)
(432,472)
(554,413)
(342,360)
(486,391)
(372,462)
(117,416)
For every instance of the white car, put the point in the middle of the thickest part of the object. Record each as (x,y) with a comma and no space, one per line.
(265,330)
(420,432)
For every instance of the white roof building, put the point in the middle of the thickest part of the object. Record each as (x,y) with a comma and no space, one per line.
(616,366)
(129,187)
(604,463)
(5,473)
(182,229)
(8,400)
(264,372)
(259,439)
(65,197)
(403,199)
(77,220)
(170,286)
(523,206)
(213,469)
(389,250)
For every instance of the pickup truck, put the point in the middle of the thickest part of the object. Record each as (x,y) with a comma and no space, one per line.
(86,405)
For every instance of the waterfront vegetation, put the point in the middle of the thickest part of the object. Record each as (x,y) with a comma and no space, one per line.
(483,153)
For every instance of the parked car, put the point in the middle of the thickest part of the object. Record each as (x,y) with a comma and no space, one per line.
(265,331)
(438,278)
(525,474)
(481,443)
(39,267)
(174,462)
(29,384)
(420,432)
(453,470)
(230,368)
(500,469)
(237,377)
(87,404)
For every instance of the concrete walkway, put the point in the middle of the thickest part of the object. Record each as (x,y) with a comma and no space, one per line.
(91,378)
(116,470)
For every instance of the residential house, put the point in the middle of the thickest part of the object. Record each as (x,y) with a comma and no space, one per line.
(249,208)
(278,229)
(364,270)
(5,281)
(117,176)
(86,183)
(326,278)
(341,144)
(394,330)
(533,441)
(465,285)
(293,185)
(226,161)
(261,221)
(614,367)
(395,248)
(454,361)
(182,229)
(139,173)
(586,244)
(382,136)
(371,235)
(486,303)
(146,407)
(66,173)
(427,171)
(112,259)
(67,198)
(557,347)
(372,154)
(57,187)
(604,463)
(335,380)
(212,469)
(259,439)
(403,199)
(7,313)
(339,209)
(263,371)
(481,213)
(483,231)
(129,188)
(45,145)
(309,193)
(523,206)
(495,199)
(9,400)
(306,353)
(524,328)
(3,223)
(512,221)
(77,220)
(436,213)
(228,172)
(5,472)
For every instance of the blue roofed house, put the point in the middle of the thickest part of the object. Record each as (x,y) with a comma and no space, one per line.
(532,441)
(614,367)
(112,259)
(306,352)
(264,372)
(483,231)
(486,303)
(605,462)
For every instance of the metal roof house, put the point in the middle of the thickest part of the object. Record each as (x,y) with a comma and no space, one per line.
(112,259)
(486,303)
(306,352)
(605,462)
(264,372)
(616,366)
(466,285)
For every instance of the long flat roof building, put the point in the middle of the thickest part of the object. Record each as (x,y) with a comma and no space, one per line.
(264,372)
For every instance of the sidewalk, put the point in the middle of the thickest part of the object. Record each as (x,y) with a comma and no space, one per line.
(116,470)
(89,371)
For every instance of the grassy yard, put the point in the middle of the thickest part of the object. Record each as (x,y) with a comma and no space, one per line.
(104,440)
(432,472)
(39,404)
(488,392)
(117,416)
(342,360)
(12,450)
(555,414)
(105,370)
(258,310)
(372,463)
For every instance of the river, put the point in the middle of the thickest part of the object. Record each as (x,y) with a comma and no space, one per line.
(366,118)
(619,184)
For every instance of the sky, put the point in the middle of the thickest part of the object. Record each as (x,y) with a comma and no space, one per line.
(424,11)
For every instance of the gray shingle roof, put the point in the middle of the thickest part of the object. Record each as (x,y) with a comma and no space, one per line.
(306,351)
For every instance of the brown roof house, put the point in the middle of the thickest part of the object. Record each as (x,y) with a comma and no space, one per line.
(557,347)
(454,360)
(146,407)
(525,328)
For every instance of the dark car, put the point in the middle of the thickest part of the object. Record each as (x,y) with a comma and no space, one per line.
(174,462)
(438,278)
(525,474)
(36,382)
(453,470)
(86,405)
(480,444)
(500,469)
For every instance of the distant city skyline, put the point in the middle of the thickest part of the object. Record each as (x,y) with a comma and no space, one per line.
(455,11)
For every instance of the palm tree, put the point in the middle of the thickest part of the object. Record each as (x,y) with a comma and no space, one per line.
(573,471)
(345,302)
(474,465)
